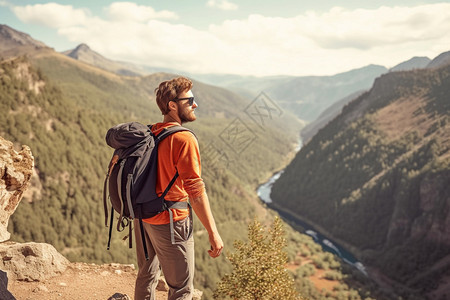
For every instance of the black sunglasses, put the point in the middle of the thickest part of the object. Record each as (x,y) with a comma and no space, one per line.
(191,100)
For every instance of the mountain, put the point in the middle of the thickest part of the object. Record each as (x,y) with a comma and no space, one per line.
(309,96)
(305,96)
(376,180)
(14,42)
(411,64)
(326,116)
(85,54)
(335,109)
(441,60)
(317,92)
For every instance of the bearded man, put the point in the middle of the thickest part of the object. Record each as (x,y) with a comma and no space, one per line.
(172,249)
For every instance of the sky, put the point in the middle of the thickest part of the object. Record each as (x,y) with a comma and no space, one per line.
(245,37)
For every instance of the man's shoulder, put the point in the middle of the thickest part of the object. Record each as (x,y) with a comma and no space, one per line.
(186,135)
(159,127)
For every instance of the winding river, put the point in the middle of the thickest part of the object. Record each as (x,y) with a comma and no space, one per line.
(327,244)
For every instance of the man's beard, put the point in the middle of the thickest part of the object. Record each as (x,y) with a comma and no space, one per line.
(187,116)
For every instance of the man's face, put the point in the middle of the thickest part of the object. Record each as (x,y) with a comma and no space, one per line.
(186,112)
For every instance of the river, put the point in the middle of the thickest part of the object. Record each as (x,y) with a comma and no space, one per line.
(327,244)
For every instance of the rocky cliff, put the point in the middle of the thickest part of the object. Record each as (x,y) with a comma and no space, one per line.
(15,174)
(28,261)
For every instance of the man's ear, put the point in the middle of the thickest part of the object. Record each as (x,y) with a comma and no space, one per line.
(172,105)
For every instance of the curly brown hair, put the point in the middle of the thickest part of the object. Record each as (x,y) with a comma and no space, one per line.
(169,90)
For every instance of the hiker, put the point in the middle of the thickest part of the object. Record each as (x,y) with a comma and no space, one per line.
(178,152)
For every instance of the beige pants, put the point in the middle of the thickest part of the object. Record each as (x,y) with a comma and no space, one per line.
(175,260)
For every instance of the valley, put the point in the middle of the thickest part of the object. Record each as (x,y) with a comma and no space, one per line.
(372,175)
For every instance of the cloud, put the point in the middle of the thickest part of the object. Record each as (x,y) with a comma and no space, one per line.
(222,4)
(340,28)
(339,39)
(5,3)
(365,29)
(310,43)
(51,15)
(129,11)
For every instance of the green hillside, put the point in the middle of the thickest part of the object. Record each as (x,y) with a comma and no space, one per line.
(62,109)
(377,177)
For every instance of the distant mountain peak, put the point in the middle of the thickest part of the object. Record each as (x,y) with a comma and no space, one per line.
(441,60)
(417,62)
(82,47)
(85,54)
(83,51)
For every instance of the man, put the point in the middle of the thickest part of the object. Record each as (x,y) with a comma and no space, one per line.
(178,152)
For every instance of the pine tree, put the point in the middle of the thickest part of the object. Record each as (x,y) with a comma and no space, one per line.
(259,267)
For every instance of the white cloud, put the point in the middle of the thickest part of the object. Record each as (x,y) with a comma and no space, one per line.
(366,29)
(310,43)
(129,11)
(340,39)
(222,4)
(51,15)
(5,3)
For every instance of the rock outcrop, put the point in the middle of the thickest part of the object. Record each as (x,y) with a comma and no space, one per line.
(15,174)
(31,261)
(28,261)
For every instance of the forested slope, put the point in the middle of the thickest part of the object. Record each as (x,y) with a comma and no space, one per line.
(377,178)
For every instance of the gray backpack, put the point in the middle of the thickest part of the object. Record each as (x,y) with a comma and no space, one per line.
(130,182)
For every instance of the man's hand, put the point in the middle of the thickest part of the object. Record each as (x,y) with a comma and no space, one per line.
(216,245)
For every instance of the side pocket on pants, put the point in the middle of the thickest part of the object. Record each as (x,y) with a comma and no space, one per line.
(183,230)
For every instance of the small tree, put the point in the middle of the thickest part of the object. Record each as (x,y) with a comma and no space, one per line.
(259,267)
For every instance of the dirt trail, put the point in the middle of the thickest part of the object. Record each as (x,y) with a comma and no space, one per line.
(81,281)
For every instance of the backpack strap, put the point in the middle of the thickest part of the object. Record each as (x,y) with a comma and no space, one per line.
(172,231)
(128,195)
(130,235)
(144,242)
(110,228)
(119,187)
(169,186)
(114,160)
(172,129)
(112,163)
(105,202)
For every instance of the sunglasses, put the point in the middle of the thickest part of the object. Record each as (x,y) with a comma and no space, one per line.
(191,100)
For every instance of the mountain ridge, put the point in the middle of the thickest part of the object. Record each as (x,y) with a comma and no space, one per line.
(320,93)
(416,62)
(16,43)
(375,176)
(17,38)
(441,60)
(85,54)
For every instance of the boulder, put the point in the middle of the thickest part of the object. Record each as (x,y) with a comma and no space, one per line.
(15,174)
(31,261)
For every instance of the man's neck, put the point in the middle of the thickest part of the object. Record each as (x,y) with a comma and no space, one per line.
(170,119)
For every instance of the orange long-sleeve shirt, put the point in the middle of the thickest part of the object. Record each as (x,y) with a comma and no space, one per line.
(179,151)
